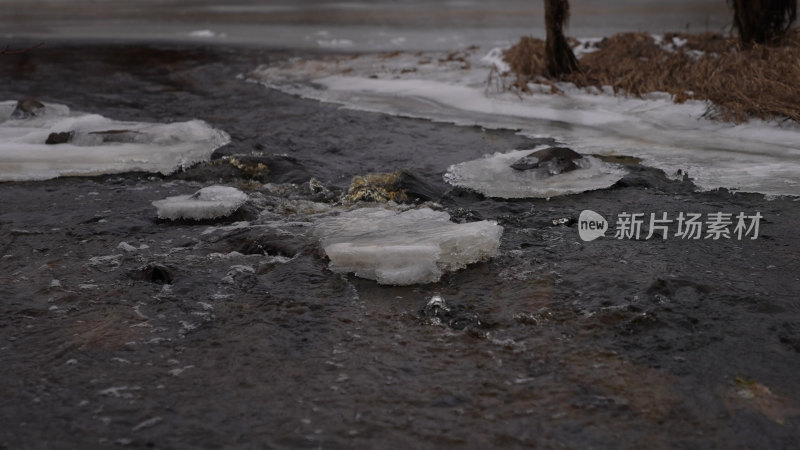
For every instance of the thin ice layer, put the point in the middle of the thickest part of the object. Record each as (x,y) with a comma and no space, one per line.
(493,176)
(211,202)
(404,248)
(98,145)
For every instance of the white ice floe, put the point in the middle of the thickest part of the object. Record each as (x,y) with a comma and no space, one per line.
(402,248)
(211,202)
(756,156)
(98,145)
(493,176)
(206,34)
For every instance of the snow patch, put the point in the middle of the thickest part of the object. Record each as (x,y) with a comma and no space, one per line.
(495,59)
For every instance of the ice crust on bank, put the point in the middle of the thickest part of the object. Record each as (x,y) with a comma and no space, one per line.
(455,87)
(99,145)
(403,248)
(492,176)
(211,202)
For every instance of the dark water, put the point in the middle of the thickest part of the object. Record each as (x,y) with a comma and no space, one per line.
(555,343)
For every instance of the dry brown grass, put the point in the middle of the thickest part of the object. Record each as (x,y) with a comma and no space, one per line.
(759,81)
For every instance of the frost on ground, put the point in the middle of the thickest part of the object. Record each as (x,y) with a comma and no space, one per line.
(469,87)
(403,248)
(493,176)
(92,144)
(211,202)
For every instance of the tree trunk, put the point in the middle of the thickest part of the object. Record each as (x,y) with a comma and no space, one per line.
(560,59)
(763,21)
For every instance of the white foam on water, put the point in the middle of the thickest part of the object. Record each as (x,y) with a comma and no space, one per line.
(211,202)
(757,156)
(131,146)
(493,176)
(403,248)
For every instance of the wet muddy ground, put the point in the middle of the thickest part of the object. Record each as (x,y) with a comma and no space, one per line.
(172,341)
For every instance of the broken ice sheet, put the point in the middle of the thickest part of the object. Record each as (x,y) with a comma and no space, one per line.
(403,248)
(92,144)
(211,202)
(493,176)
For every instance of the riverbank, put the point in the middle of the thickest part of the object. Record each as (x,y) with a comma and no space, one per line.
(757,82)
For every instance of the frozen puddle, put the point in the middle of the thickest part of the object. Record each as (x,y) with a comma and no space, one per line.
(493,176)
(402,248)
(466,87)
(211,202)
(97,145)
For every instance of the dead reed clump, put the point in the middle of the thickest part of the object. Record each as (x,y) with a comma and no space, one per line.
(527,61)
(758,81)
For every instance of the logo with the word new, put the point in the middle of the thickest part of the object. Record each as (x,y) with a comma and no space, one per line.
(715,226)
(591,225)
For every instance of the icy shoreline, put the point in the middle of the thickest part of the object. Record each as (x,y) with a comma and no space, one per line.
(466,88)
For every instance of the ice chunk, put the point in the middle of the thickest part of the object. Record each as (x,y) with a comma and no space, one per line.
(493,176)
(402,248)
(97,145)
(208,203)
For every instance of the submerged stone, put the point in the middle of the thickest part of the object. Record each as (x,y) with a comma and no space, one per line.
(59,138)
(555,159)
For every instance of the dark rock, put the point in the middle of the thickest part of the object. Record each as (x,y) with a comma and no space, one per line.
(27,108)
(400,186)
(282,168)
(438,312)
(555,159)
(268,168)
(59,138)
(154,273)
